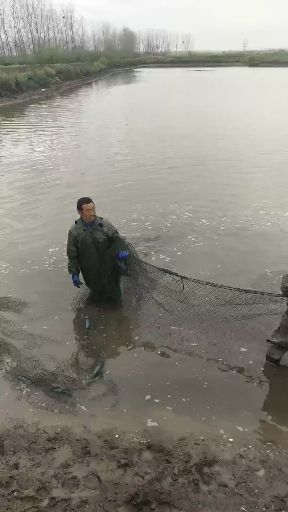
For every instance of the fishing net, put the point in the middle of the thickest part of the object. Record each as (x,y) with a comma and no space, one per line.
(218,322)
(160,311)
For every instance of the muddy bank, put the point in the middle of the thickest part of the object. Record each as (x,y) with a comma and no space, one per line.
(56,89)
(61,470)
(45,93)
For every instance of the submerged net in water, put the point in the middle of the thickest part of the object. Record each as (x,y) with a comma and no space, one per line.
(161,311)
(206,319)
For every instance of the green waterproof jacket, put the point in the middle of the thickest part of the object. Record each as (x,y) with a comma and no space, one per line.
(93,250)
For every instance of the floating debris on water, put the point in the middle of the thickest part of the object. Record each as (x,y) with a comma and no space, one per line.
(82,407)
(151,423)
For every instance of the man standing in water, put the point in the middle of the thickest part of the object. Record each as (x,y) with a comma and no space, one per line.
(96,249)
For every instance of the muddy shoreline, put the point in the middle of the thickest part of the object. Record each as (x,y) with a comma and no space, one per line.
(56,89)
(63,470)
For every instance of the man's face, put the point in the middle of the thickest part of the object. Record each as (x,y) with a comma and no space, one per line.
(88,212)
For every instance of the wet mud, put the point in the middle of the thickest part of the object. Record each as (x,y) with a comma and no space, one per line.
(61,470)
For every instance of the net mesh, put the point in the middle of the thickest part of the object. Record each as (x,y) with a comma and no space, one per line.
(210,320)
(162,311)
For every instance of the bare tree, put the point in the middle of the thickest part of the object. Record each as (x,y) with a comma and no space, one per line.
(187,43)
(127,41)
(156,41)
(5,29)
(30,26)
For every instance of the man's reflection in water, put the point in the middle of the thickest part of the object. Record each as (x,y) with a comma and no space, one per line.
(100,333)
(275,404)
(275,427)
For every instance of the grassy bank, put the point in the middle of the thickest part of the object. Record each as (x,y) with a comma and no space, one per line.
(43,71)
(15,81)
(51,56)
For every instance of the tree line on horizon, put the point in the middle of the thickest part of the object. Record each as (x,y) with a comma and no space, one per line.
(28,27)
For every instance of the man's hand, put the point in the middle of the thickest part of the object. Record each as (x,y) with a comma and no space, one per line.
(122,255)
(76,280)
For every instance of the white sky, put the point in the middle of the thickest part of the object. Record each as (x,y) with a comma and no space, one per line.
(214,24)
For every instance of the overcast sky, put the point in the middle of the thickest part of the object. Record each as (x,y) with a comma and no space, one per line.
(215,24)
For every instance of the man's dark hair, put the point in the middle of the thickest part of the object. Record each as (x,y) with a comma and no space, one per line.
(82,201)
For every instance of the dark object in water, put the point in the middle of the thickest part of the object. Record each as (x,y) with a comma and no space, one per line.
(62,391)
(284,286)
(97,372)
(12,304)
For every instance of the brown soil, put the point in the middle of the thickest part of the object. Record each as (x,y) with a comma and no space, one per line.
(60,470)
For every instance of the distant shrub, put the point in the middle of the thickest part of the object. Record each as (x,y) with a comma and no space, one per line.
(7,84)
(67,72)
(33,80)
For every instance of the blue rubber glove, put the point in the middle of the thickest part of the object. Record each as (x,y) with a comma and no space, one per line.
(76,280)
(122,255)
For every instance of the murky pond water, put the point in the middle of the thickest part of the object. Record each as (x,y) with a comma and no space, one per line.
(192,168)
